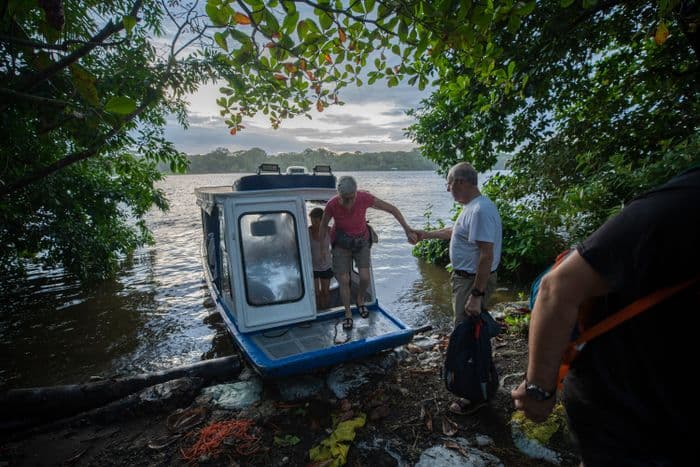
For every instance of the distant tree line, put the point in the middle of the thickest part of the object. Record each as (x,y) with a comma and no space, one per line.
(221,160)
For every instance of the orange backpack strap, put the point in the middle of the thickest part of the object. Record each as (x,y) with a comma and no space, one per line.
(630,311)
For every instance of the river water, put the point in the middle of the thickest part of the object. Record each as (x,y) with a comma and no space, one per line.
(152,315)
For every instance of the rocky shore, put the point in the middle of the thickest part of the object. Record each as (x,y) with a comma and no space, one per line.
(391,410)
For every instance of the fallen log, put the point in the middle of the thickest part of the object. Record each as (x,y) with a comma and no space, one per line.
(50,403)
(156,399)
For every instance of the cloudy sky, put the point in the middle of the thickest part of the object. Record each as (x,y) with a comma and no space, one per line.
(372,119)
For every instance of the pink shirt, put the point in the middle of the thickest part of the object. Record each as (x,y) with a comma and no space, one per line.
(351,221)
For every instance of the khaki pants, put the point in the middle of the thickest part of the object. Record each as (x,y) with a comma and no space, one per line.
(461,288)
(342,259)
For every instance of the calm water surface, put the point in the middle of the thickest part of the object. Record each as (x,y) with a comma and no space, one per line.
(152,315)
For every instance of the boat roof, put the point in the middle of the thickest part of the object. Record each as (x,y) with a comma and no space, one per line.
(318,186)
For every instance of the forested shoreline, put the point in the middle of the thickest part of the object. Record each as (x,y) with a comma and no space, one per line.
(222,160)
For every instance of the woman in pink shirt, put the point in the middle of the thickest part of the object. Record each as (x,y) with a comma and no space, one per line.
(350,239)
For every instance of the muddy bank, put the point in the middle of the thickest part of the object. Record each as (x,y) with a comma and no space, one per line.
(391,410)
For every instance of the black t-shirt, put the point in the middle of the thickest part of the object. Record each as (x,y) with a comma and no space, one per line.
(635,377)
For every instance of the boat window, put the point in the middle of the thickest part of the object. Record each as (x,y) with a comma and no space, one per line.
(225,282)
(262,228)
(271,260)
(210,223)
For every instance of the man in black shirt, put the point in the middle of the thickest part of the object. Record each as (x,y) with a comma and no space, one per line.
(627,394)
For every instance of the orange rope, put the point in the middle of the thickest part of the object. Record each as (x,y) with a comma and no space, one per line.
(212,436)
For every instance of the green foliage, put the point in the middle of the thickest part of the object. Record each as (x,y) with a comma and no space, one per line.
(517,323)
(433,250)
(595,101)
(86,90)
(600,105)
(286,61)
(223,161)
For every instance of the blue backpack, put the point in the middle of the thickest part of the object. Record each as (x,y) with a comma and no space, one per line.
(469,371)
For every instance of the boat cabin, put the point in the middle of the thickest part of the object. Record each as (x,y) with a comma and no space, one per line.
(257,245)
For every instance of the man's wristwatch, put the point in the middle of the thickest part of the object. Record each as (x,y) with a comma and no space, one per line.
(477,293)
(534,391)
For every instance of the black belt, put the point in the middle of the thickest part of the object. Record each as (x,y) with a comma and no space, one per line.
(466,274)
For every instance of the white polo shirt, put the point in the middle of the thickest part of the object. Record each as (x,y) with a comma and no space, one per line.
(479,221)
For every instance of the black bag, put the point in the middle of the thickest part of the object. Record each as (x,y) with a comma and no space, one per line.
(469,371)
(373,237)
(348,242)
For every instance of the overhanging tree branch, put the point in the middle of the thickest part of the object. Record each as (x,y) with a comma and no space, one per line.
(74,157)
(34,98)
(109,29)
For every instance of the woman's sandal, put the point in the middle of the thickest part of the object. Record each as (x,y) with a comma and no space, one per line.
(364,312)
(347,323)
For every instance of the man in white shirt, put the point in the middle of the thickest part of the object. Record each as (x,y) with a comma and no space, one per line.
(475,247)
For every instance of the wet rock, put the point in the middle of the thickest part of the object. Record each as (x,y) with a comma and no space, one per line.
(425,343)
(342,379)
(431,359)
(300,387)
(175,389)
(483,440)
(380,452)
(532,448)
(233,396)
(511,381)
(457,453)
(260,412)
(385,361)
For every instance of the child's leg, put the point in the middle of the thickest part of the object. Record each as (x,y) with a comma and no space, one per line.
(325,292)
(318,291)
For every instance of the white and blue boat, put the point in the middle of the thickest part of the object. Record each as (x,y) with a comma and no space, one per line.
(257,262)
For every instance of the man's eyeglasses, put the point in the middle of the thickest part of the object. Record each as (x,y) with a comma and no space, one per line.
(452,182)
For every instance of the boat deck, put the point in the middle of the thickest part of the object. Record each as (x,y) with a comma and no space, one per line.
(321,334)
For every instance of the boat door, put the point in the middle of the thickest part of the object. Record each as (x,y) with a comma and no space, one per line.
(270,261)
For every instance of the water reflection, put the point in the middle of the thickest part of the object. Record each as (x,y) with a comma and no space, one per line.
(434,292)
(63,337)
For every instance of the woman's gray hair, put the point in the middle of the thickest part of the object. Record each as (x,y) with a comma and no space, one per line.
(346,185)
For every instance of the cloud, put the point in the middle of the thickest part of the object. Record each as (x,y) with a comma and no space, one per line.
(372,120)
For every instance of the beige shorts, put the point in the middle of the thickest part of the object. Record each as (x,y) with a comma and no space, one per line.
(461,288)
(342,259)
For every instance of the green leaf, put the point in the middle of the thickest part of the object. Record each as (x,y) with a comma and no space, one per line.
(527,8)
(220,38)
(120,105)
(325,20)
(286,440)
(302,29)
(290,22)
(217,15)
(129,23)
(84,82)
